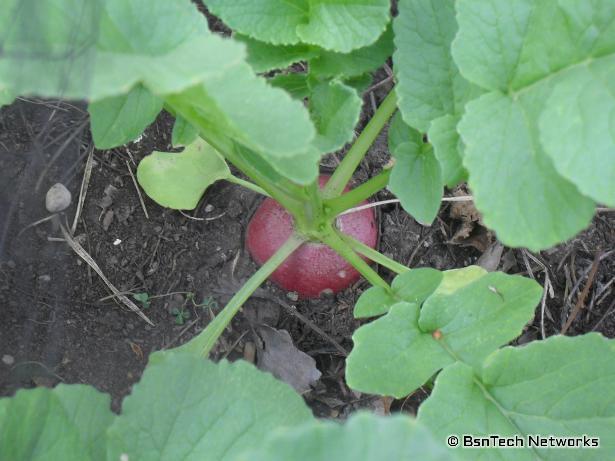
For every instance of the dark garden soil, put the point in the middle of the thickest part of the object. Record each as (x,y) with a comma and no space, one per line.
(58,323)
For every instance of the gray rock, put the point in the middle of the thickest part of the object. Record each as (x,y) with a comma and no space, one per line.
(58,198)
(8,359)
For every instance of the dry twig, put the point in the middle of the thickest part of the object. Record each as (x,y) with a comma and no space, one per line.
(134,181)
(581,300)
(77,248)
(84,188)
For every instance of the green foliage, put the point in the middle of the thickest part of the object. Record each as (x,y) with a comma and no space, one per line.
(448,148)
(432,93)
(263,56)
(430,85)
(6,97)
(36,40)
(517,97)
(178,180)
(180,315)
(573,122)
(536,94)
(294,84)
(335,110)
(416,178)
(188,408)
(561,386)
(471,315)
(169,51)
(208,303)
(414,286)
(495,133)
(542,126)
(219,409)
(342,26)
(143,298)
(68,35)
(363,437)
(183,408)
(360,82)
(68,423)
(356,63)
(119,119)
(184,133)
(531,108)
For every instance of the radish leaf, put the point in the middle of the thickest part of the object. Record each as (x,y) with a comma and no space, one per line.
(169,51)
(363,437)
(577,134)
(68,423)
(431,91)
(448,148)
(341,26)
(6,97)
(294,84)
(430,85)
(473,314)
(561,386)
(178,180)
(184,133)
(497,138)
(373,302)
(521,127)
(416,178)
(344,25)
(335,109)
(413,286)
(360,83)
(203,410)
(120,119)
(264,56)
(355,63)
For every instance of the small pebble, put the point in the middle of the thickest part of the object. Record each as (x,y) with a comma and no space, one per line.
(44,278)
(8,359)
(209,208)
(58,198)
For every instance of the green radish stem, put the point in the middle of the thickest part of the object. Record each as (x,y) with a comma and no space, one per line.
(248,185)
(355,196)
(374,255)
(203,343)
(346,252)
(351,161)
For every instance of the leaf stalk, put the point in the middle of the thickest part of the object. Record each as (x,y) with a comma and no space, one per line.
(374,255)
(351,161)
(203,343)
(357,195)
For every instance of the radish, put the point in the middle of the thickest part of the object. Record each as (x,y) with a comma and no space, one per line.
(313,268)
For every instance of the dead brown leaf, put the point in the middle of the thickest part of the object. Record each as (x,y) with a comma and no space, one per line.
(137,350)
(490,259)
(282,359)
(471,231)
